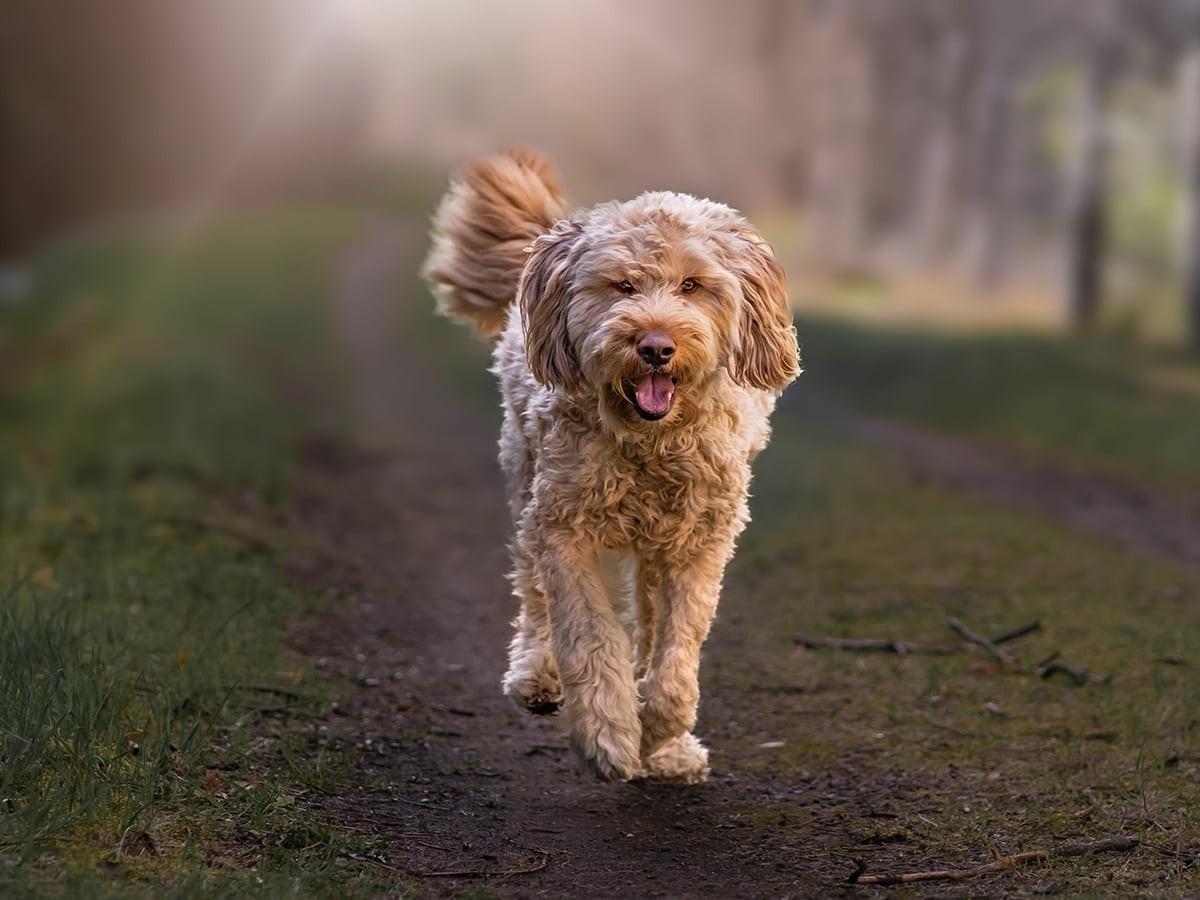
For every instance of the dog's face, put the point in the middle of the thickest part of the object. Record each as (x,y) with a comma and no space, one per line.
(648,302)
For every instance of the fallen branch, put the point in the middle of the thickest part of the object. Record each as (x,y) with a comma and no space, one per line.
(903,647)
(1188,859)
(1172,661)
(884,645)
(1019,632)
(1052,665)
(485,873)
(1001,656)
(1121,843)
(1079,674)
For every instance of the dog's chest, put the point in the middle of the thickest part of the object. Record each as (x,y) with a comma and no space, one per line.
(663,500)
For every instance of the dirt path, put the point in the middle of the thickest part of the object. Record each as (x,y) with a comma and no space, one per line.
(456,778)
(463,788)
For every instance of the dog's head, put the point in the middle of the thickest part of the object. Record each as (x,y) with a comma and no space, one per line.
(648,303)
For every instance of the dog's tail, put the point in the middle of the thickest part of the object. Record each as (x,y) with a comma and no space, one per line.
(481,230)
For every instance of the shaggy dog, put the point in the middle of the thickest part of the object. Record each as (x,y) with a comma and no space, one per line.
(639,364)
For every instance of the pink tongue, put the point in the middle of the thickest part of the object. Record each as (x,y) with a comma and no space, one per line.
(654,393)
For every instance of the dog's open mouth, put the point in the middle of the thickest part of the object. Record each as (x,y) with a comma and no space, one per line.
(653,394)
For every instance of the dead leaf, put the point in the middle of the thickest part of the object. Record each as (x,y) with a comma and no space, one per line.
(212,783)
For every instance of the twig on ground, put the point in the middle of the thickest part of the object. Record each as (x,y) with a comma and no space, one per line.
(1001,656)
(1079,674)
(1188,859)
(1172,661)
(1018,632)
(883,645)
(1051,665)
(901,647)
(1049,659)
(1120,843)
(1142,788)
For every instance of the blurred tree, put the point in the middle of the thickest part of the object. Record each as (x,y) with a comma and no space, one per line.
(843,116)
(1087,183)
(952,55)
(104,112)
(73,97)
(1189,118)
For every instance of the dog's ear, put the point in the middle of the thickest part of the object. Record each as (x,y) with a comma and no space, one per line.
(765,354)
(542,295)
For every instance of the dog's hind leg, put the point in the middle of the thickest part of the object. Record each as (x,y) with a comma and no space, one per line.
(532,678)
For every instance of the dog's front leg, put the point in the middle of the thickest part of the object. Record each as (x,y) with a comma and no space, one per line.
(670,689)
(593,655)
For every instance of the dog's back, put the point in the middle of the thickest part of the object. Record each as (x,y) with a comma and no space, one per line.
(480,233)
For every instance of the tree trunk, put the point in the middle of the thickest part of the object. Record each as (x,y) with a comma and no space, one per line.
(782,152)
(1086,214)
(1189,117)
(994,176)
(938,181)
(838,178)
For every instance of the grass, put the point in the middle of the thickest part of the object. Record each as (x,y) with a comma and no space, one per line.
(844,542)
(1093,404)
(145,457)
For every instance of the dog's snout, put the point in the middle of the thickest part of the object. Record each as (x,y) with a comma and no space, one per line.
(656,348)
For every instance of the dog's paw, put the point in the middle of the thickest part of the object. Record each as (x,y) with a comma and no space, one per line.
(542,700)
(535,690)
(664,718)
(613,767)
(608,749)
(683,760)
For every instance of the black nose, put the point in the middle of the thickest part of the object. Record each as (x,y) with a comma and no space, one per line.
(656,348)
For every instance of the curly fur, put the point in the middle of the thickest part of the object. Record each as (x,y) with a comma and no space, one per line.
(589,475)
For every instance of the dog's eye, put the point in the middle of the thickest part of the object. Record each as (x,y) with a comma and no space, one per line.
(688,285)
(624,287)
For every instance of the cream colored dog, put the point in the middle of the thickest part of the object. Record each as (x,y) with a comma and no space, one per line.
(639,365)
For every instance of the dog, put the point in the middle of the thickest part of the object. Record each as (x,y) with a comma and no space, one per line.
(640,349)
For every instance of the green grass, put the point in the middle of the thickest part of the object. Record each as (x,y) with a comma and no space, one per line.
(146,453)
(1094,404)
(845,543)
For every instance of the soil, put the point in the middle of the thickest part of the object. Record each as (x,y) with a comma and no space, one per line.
(466,791)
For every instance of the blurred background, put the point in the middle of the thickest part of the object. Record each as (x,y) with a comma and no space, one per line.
(1041,158)
(222,387)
